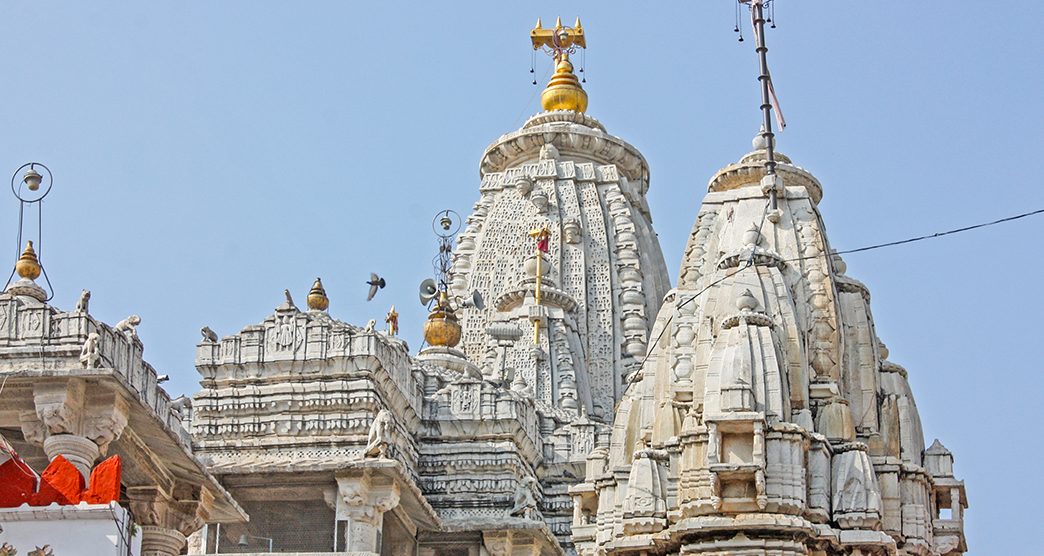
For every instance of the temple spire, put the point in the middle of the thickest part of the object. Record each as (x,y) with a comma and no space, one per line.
(564,91)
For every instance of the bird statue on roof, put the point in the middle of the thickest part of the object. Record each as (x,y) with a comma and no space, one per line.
(375,282)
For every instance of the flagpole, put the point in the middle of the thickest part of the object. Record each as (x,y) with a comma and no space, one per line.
(757,8)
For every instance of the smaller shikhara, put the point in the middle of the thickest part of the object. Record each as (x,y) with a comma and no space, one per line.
(767,418)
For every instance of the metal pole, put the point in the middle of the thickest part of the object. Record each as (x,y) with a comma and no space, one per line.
(758,7)
(536,295)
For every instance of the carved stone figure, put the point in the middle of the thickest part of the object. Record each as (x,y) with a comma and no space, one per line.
(82,303)
(371,326)
(525,505)
(128,326)
(208,335)
(380,435)
(89,356)
(548,152)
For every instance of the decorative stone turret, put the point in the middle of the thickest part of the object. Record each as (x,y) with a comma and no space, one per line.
(783,428)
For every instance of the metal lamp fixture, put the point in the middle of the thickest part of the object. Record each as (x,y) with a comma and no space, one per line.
(30,186)
(32,179)
(244,540)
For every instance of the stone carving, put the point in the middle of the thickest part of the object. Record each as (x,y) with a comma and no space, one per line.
(571,228)
(645,506)
(90,356)
(128,326)
(83,301)
(539,200)
(371,326)
(548,152)
(524,186)
(208,335)
(857,500)
(104,424)
(525,504)
(380,435)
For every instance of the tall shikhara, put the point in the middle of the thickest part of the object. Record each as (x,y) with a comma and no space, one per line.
(767,418)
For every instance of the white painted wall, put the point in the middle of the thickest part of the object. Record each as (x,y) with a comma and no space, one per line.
(82,530)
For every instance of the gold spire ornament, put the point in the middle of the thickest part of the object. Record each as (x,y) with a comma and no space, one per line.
(28,266)
(317,300)
(392,318)
(564,91)
(442,327)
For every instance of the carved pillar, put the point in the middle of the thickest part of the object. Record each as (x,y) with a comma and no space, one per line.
(71,421)
(79,450)
(160,541)
(166,518)
(363,500)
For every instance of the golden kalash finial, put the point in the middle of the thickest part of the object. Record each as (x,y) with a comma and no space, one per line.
(442,327)
(28,266)
(317,300)
(564,91)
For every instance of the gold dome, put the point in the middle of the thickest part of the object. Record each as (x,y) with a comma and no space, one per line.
(317,300)
(564,92)
(28,266)
(442,328)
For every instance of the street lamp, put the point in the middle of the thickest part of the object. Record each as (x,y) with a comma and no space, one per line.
(244,540)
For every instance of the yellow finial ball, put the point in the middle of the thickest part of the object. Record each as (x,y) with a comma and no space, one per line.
(317,300)
(564,91)
(442,328)
(28,266)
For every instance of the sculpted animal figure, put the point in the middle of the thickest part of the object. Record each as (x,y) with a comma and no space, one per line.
(208,335)
(128,326)
(81,304)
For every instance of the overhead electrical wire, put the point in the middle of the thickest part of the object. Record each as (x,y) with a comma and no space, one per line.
(750,263)
(941,234)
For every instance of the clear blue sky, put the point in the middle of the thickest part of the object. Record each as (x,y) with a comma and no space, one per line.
(210,154)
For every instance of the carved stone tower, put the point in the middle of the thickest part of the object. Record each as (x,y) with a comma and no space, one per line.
(604,275)
(768,419)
